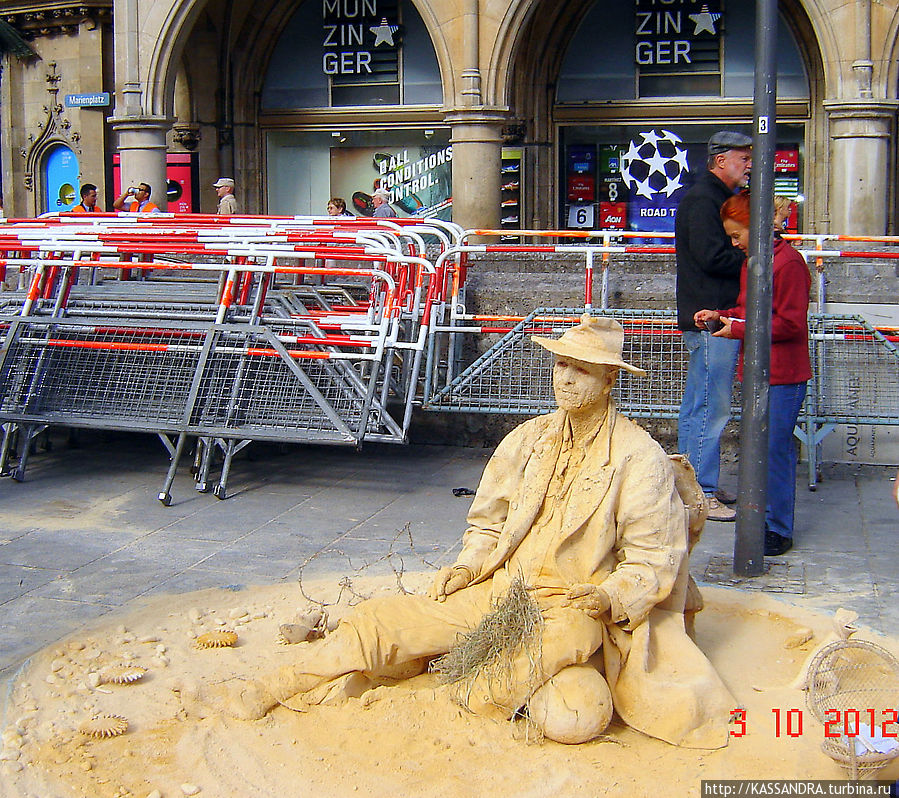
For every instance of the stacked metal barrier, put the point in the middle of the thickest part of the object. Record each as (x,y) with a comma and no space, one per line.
(515,374)
(855,379)
(315,330)
(232,358)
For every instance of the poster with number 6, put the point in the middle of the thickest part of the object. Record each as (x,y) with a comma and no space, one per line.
(580,216)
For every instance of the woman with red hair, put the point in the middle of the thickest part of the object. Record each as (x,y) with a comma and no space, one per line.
(790,365)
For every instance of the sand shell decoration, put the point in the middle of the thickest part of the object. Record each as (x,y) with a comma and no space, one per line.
(310,625)
(290,633)
(105,726)
(122,674)
(221,638)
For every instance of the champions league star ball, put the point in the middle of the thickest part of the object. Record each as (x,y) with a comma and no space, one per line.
(654,164)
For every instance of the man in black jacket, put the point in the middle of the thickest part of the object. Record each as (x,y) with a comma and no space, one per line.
(708,276)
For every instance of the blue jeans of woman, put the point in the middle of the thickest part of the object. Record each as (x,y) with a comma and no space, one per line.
(784,404)
(705,407)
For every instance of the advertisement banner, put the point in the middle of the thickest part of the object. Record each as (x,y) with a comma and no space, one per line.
(656,170)
(418,179)
(182,191)
(61,179)
(786,161)
(612,215)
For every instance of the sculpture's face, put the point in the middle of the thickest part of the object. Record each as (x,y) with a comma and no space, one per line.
(580,386)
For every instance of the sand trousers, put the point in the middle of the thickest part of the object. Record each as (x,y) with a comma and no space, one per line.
(382,633)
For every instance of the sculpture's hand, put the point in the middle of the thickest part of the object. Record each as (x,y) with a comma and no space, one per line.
(448,581)
(589,598)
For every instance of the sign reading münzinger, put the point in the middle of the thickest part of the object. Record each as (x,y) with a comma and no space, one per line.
(360,40)
(677,35)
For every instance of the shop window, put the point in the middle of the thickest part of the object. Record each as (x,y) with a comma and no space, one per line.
(632,177)
(675,49)
(306,168)
(340,53)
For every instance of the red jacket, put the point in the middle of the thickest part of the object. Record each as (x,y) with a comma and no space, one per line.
(789,316)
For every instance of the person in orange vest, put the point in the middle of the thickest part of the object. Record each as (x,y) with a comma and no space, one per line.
(136,200)
(88,202)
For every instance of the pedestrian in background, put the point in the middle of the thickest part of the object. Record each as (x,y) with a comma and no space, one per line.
(337,207)
(224,189)
(139,201)
(88,202)
(790,365)
(708,276)
(381,199)
(783,207)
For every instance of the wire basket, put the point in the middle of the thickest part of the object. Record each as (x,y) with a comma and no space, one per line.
(851,681)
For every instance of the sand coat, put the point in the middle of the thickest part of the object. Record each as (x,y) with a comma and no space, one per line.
(624,528)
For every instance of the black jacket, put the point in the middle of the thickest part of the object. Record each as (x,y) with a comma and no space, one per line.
(708,265)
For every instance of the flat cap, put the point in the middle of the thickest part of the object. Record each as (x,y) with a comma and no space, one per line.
(725,140)
(222,182)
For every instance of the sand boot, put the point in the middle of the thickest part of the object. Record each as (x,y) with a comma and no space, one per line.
(574,706)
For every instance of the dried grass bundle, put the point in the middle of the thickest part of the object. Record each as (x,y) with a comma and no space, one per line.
(512,628)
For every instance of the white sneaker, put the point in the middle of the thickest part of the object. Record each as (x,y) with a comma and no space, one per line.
(720,512)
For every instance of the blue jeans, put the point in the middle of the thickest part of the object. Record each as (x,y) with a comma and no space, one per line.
(705,408)
(784,404)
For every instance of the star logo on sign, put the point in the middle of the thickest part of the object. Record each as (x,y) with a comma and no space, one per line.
(672,184)
(704,21)
(643,188)
(384,33)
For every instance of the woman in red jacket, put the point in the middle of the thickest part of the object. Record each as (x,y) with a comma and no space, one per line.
(790,365)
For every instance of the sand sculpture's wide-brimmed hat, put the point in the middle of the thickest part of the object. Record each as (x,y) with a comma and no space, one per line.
(598,340)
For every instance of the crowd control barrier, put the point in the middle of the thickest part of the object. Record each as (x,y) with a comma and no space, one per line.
(213,332)
(226,346)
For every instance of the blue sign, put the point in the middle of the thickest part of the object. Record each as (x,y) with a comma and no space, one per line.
(97,100)
(60,179)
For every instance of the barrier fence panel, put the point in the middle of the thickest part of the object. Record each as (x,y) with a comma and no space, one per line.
(515,374)
(314,330)
(209,344)
(855,379)
(81,374)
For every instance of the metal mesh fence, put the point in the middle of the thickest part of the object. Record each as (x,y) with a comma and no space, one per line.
(251,390)
(82,374)
(515,375)
(856,372)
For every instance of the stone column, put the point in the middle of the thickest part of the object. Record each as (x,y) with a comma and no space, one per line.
(859,200)
(142,148)
(477,163)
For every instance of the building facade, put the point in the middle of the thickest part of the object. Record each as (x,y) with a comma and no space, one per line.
(521,113)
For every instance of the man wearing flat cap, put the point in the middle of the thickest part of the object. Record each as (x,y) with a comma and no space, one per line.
(380,200)
(708,270)
(581,505)
(224,189)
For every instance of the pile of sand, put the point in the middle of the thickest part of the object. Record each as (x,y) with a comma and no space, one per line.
(409,739)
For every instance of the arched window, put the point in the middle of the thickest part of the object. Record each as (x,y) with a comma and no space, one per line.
(643,85)
(621,52)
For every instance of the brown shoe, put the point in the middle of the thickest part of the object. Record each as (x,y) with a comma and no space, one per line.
(725,496)
(720,512)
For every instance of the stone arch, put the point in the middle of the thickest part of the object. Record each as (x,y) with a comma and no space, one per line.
(889,56)
(34,164)
(806,20)
(170,27)
(499,66)
(441,49)
(263,35)
(810,23)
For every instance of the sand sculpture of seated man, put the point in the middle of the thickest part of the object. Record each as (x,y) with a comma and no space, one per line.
(582,504)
